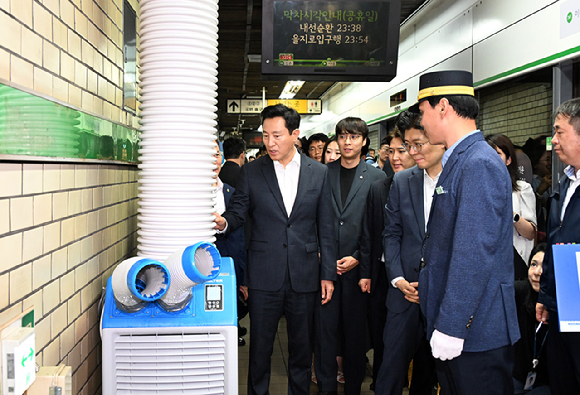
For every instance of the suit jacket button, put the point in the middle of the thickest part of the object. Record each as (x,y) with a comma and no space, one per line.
(416,270)
(284,245)
(289,225)
(427,236)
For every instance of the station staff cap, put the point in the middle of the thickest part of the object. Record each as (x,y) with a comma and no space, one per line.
(444,83)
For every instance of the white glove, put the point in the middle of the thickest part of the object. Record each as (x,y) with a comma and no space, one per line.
(444,346)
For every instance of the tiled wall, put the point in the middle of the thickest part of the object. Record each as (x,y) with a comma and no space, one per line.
(70,50)
(518,111)
(62,229)
(63,226)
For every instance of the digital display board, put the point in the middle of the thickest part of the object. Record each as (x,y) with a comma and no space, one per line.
(331,40)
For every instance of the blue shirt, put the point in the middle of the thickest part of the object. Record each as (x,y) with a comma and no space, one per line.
(449,151)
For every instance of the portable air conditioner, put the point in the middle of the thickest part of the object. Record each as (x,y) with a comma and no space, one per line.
(190,351)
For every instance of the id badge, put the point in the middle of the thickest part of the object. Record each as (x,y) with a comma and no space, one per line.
(530,380)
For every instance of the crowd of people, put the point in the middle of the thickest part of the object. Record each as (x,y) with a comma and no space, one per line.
(436,252)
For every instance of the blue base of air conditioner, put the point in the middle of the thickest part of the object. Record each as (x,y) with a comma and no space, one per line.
(213,304)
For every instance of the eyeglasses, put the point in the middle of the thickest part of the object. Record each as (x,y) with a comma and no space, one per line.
(417,146)
(317,149)
(353,137)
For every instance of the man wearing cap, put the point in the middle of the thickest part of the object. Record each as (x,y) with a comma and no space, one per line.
(466,278)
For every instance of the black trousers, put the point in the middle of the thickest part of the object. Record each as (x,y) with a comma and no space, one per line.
(478,373)
(378,317)
(405,340)
(350,303)
(266,309)
(563,350)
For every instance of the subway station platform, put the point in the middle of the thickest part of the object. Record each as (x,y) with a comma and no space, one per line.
(279,379)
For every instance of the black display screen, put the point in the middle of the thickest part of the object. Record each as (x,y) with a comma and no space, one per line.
(318,38)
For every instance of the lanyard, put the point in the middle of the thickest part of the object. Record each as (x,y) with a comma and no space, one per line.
(536,356)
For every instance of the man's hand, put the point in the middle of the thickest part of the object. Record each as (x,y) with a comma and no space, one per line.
(409,290)
(345,264)
(542,314)
(244,291)
(327,288)
(220,222)
(365,284)
(445,347)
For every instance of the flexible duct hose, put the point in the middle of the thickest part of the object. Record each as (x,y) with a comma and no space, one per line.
(188,267)
(137,281)
(178,74)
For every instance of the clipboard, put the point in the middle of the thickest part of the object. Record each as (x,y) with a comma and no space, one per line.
(567,273)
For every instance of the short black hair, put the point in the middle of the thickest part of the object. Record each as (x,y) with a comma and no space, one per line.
(353,125)
(570,109)
(465,106)
(317,137)
(290,115)
(408,120)
(234,147)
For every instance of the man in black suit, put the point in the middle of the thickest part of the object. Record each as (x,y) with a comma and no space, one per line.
(350,181)
(407,215)
(287,197)
(235,155)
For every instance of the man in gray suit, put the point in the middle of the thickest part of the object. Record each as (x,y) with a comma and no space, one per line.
(287,197)
(350,181)
(407,217)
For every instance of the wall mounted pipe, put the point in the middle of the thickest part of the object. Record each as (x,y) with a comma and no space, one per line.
(189,266)
(137,281)
(178,74)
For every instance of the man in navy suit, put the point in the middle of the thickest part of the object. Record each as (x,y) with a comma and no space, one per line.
(466,284)
(407,216)
(232,245)
(350,181)
(563,227)
(292,254)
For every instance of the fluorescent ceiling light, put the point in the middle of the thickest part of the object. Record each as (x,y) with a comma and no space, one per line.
(291,89)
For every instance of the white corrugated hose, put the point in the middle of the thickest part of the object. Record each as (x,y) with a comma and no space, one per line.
(178,77)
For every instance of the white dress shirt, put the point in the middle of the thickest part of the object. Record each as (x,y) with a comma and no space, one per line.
(220,203)
(288,180)
(429,185)
(574,176)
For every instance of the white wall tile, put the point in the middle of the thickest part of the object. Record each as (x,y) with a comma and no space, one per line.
(41,272)
(42,208)
(20,282)
(4,216)
(11,247)
(21,214)
(11,174)
(32,243)
(31,178)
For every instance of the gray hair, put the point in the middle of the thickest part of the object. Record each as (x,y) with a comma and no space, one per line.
(570,109)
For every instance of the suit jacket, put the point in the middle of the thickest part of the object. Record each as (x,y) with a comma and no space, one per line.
(371,247)
(350,217)
(404,233)
(229,173)
(278,243)
(466,288)
(233,245)
(565,231)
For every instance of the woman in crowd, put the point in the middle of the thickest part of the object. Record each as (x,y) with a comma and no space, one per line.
(399,158)
(524,205)
(331,151)
(532,345)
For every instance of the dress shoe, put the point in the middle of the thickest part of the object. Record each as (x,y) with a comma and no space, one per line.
(242,331)
(241,341)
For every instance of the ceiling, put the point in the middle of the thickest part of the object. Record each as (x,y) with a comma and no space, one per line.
(240,34)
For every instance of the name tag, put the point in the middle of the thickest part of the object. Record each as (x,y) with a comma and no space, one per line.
(439,190)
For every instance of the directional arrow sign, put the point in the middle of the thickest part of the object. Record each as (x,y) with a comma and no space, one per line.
(233,106)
